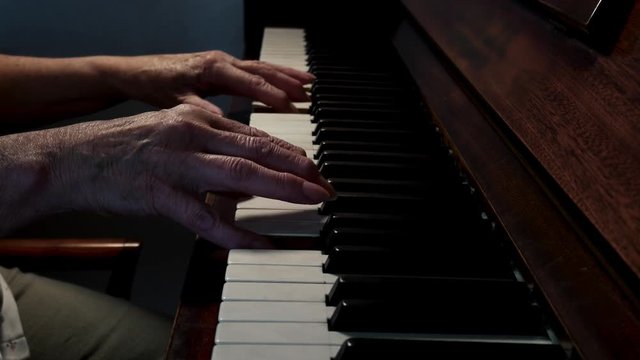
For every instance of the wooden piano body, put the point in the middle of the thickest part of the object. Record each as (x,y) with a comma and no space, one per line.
(542,112)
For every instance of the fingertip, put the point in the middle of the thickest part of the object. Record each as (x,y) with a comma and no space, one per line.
(309,77)
(327,186)
(314,192)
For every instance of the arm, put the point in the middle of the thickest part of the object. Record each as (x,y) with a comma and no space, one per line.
(33,90)
(41,89)
(155,163)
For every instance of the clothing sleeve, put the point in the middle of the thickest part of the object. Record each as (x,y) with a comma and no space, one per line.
(13,343)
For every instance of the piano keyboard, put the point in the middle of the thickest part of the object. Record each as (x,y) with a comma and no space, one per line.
(405,266)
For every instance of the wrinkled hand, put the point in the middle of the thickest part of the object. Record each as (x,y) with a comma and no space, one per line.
(168,80)
(159,163)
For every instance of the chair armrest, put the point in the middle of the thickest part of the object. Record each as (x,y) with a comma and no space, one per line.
(118,255)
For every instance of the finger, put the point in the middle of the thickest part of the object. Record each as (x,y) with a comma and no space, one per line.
(222,123)
(216,173)
(290,85)
(265,153)
(302,76)
(255,132)
(236,81)
(196,216)
(196,100)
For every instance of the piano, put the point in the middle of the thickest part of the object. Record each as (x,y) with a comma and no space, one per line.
(487,164)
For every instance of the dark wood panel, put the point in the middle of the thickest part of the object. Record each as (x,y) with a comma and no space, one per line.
(194,326)
(597,313)
(573,109)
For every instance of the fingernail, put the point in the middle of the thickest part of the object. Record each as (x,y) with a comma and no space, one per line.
(315,193)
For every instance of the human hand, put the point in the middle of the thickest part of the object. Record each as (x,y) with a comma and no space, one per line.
(154,163)
(169,80)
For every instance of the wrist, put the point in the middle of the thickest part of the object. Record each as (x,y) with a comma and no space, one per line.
(117,73)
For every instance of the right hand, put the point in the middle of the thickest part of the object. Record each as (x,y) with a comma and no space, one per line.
(157,163)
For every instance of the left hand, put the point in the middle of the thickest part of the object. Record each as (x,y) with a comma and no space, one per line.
(169,80)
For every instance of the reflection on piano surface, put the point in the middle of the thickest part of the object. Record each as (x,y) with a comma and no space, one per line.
(487,176)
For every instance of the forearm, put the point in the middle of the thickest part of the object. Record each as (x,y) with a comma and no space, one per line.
(24,180)
(34,90)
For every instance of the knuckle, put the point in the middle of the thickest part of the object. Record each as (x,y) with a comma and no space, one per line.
(258,81)
(217,67)
(256,65)
(181,121)
(201,218)
(184,108)
(261,148)
(257,132)
(216,56)
(240,170)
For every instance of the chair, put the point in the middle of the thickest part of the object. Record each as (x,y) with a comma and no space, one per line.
(118,255)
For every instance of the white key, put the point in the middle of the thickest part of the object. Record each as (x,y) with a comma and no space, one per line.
(303,141)
(276,257)
(274,352)
(283,124)
(278,274)
(274,311)
(264,203)
(256,291)
(304,229)
(281,222)
(276,215)
(284,46)
(301,106)
(278,333)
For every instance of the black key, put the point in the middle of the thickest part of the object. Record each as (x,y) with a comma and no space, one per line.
(446,224)
(379,171)
(371,203)
(363,98)
(387,187)
(376,221)
(366,135)
(386,349)
(349,69)
(365,124)
(337,104)
(376,157)
(335,74)
(397,115)
(407,239)
(498,293)
(356,82)
(393,92)
(435,315)
(435,262)
(348,145)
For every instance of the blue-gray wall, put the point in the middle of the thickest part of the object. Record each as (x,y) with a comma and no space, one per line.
(119,27)
(76,27)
